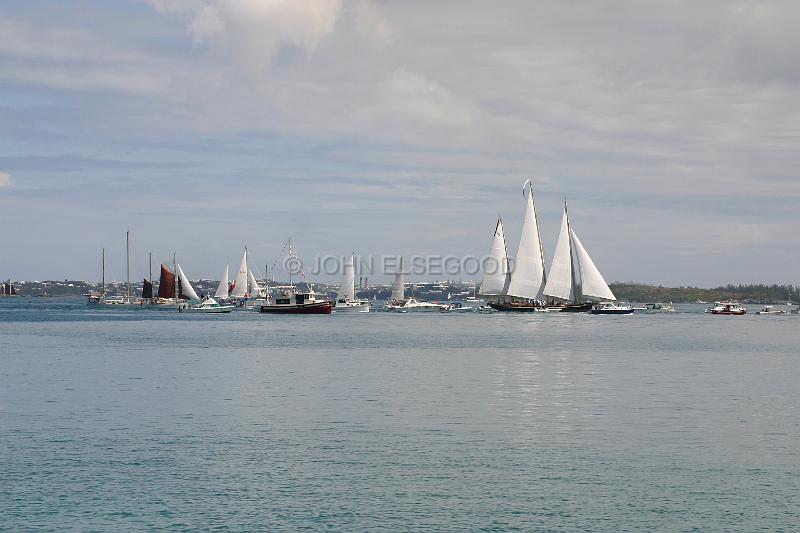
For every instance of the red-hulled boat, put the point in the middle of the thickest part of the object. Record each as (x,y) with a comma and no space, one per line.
(298,303)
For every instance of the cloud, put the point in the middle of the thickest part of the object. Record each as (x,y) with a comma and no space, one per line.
(5,180)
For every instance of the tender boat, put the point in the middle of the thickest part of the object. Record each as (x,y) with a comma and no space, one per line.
(726,308)
(658,308)
(298,303)
(612,308)
(769,310)
(346,301)
(210,305)
(458,307)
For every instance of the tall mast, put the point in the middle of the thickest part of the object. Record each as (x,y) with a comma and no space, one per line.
(103,270)
(150,276)
(571,262)
(176,282)
(128,259)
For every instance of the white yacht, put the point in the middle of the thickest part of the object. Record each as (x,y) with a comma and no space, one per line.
(210,305)
(398,303)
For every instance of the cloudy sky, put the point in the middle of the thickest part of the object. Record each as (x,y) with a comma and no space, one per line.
(403,127)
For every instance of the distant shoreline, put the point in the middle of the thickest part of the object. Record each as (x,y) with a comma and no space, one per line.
(431,291)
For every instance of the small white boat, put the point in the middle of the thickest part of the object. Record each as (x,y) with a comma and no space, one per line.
(726,308)
(209,305)
(769,310)
(612,308)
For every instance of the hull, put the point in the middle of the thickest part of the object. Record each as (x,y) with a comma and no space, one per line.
(514,308)
(351,308)
(316,308)
(739,312)
(612,311)
(577,308)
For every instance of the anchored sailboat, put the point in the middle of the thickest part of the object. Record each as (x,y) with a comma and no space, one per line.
(574,278)
(346,300)
(223,287)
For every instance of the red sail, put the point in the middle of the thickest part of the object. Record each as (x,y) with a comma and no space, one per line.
(147,290)
(166,284)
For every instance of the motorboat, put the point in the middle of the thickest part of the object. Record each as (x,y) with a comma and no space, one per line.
(398,303)
(726,308)
(412,305)
(299,303)
(657,308)
(209,305)
(769,310)
(457,307)
(612,308)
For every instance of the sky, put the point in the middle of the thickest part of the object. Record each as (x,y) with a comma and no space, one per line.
(671,127)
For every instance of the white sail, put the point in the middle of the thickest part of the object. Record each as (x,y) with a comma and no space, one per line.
(255,289)
(559,281)
(186,287)
(347,290)
(592,282)
(398,287)
(240,283)
(222,289)
(496,276)
(528,277)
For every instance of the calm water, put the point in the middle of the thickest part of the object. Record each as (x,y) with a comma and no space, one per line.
(120,420)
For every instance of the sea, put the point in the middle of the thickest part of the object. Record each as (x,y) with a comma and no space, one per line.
(128,420)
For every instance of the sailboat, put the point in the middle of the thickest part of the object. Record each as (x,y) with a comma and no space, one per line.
(574,279)
(346,300)
(245,289)
(127,299)
(497,277)
(8,289)
(223,288)
(527,280)
(400,304)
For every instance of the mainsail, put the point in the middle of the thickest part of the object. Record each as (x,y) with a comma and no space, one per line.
(147,289)
(560,281)
(528,277)
(496,276)
(573,274)
(347,289)
(255,290)
(592,282)
(166,283)
(222,289)
(186,290)
(398,287)
(240,283)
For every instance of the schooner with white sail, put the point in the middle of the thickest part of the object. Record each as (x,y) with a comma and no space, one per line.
(573,281)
